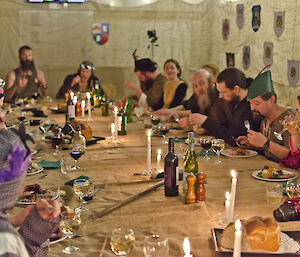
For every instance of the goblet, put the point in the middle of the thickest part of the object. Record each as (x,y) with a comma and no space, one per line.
(163,129)
(218,145)
(292,189)
(156,246)
(138,111)
(206,145)
(122,241)
(76,152)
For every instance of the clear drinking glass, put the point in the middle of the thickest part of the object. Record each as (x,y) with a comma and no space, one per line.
(274,193)
(218,145)
(69,225)
(206,145)
(122,241)
(289,124)
(138,111)
(292,189)
(156,246)
(163,129)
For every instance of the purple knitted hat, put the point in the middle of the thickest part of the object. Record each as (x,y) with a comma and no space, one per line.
(14,160)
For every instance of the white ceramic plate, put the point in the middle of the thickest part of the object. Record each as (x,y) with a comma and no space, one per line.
(285,172)
(231,153)
(54,195)
(36,171)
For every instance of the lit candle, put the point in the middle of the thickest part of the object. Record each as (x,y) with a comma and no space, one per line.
(149,152)
(116,116)
(113,129)
(158,159)
(237,239)
(75,100)
(82,108)
(187,248)
(72,95)
(227,206)
(232,195)
(89,105)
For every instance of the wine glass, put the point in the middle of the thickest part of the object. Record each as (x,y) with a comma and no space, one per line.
(138,111)
(163,129)
(206,145)
(57,140)
(289,124)
(76,152)
(22,116)
(218,145)
(69,225)
(156,246)
(292,189)
(122,241)
(155,120)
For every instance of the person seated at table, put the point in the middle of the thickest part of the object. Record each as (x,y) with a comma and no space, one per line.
(204,100)
(213,71)
(293,159)
(150,91)
(37,222)
(231,84)
(269,112)
(26,80)
(83,80)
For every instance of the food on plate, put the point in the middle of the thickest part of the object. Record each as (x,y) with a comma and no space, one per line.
(86,130)
(33,193)
(257,234)
(239,151)
(33,167)
(273,173)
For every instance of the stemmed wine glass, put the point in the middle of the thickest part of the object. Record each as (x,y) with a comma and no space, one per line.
(292,189)
(163,129)
(57,140)
(218,145)
(288,124)
(122,241)
(76,152)
(156,246)
(138,111)
(155,120)
(69,225)
(206,145)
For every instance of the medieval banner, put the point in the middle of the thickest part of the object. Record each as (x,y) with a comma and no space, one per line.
(240,18)
(230,60)
(268,53)
(293,72)
(256,20)
(225,28)
(246,57)
(101,33)
(279,23)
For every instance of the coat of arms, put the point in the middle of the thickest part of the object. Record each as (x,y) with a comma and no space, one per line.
(293,72)
(230,60)
(101,33)
(225,28)
(279,23)
(240,19)
(256,20)
(246,57)
(268,53)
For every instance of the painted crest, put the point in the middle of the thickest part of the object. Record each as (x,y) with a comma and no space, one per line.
(246,57)
(293,72)
(268,53)
(230,60)
(256,20)
(225,28)
(279,22)
(101,33)
(240,18)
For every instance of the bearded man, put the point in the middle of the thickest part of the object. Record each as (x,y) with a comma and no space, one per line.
(232,87)
(265,108)
(204,100)
(26,80)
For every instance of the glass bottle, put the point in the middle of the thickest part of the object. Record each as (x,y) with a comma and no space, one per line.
(71,108)
(128,109)
(122,120)
(171,171)
(79,139)
(67,134)
(190,161)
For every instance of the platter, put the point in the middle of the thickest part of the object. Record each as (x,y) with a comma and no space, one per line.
(52,195)
(33,169)
(244,153)
(285,236)
(291,176)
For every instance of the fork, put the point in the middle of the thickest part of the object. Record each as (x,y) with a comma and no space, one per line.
(247,124)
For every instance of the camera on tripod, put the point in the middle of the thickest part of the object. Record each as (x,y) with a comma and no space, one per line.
(152,35)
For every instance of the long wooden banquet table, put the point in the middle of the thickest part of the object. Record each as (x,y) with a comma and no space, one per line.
(114,167)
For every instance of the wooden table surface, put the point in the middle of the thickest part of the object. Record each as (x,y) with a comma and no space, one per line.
(114,166)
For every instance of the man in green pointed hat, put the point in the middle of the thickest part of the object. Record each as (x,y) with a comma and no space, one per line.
(264,107)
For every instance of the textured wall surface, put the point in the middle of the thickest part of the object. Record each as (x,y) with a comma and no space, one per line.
(61,38)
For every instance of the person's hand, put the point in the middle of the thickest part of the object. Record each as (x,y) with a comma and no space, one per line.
(75,80)
(291,123)
(256,139)
(18,220)
(184,122)
(40,80)
(130,85)
(243,142)
(198,130)
(22,82)
(48,209)
(197,119)
(163,112)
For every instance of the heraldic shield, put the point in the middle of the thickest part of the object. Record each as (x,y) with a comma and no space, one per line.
(225,28)
(240,18)
(279,23)
(268,53)
(293,72)
(256,20)
(101,33)
(246,57)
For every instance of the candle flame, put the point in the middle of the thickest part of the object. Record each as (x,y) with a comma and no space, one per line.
(83,103)
(227,196)
(238,225)
(233,174)
(72,95)
(75,99)
(186,246)
(158,152)
(116,110)
(88,95)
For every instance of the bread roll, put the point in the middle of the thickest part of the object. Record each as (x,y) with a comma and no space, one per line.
(86,130)
(257,234)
